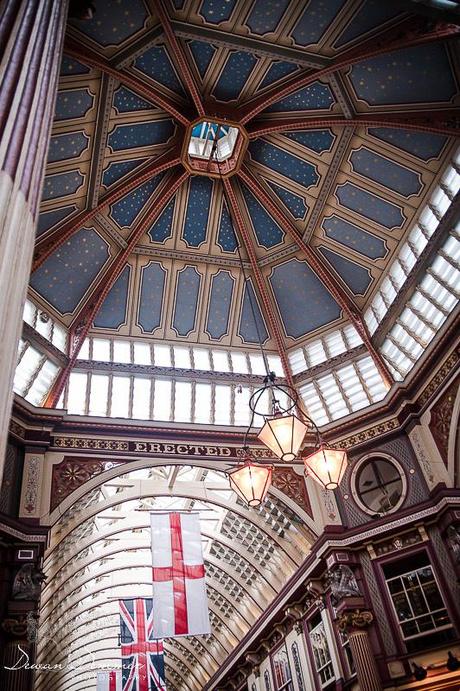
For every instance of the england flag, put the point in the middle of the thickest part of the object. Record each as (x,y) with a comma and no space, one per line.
(179,586)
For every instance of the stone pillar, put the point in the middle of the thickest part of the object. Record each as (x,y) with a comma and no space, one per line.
(355,624)
(17,653)
(31,39)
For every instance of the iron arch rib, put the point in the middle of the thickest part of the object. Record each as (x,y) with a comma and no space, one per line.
(85,317)
(321,271)
(136,179)
(410,34)
(270,313)
(145,90)
(179,57)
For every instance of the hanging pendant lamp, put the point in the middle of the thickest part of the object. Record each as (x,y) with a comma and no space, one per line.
(251,481)
(326,465)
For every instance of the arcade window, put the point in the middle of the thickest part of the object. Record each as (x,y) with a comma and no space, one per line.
(282,670)
(321,654)
(417,602)
(379,485)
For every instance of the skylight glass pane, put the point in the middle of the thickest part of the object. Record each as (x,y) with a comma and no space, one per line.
(162,400)
(408,260)
(418,239)
(84,350)
(451,179)
(352,336)
(406,342)
(99,395)
(440,201)
(142,355)
(380,309)
(371,321)
(203,403)
(428,221)
(201,358)
(315,353)
(257,363)
(223,399)
(442,268)
(333,396)
(141,398)
(26,369)
(76,397)
(388,290)
(297,361)
(43,383)
(44,325)
(182,357)
(314,405)
(120,396)
(397,356)
(239,362)
(220,361)
(101,349)
(375,385)
(452,248)
(183,402)
(29,312)
(59,337)
(274,364)
(242,411)
(335,343)
(162,355)
(122,351)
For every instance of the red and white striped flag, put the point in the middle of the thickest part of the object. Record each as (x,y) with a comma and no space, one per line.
(180,601)
(109,681)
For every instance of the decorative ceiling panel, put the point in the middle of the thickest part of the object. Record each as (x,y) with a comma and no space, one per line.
(351,192)
(303,301)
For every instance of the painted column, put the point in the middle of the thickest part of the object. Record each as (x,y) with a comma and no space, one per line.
(355,624)
(31,39)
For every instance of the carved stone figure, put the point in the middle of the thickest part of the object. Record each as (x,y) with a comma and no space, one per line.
(27,583)
(343,583)
(453,541)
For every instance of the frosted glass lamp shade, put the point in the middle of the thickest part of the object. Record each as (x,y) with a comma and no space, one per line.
(327,466)
(283,434)
(251,482)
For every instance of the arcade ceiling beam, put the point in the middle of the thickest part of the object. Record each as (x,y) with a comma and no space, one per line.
(62,233)
(85,317)
(248,44)
(179,56)
(274,328)
(413,34)
(339,295)
(140,86)
(444,122)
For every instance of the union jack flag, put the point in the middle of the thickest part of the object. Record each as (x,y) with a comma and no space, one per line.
(142,655)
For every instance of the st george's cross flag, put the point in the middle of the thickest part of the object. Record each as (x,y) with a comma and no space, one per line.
(109,681)
(143,667)
(179,586)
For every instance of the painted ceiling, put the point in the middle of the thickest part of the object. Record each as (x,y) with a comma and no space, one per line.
(344,109)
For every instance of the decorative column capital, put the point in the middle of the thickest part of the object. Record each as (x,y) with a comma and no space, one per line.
(356,619)
(16,626)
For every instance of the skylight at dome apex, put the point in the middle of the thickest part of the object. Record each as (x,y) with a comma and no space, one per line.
(273,172)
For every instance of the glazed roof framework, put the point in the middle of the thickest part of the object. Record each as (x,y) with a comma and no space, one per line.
(341,156)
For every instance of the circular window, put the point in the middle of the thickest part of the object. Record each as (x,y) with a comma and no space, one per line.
(380,485)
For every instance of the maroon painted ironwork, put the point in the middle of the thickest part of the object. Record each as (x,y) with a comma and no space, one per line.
(268,308)
(445,122)
(320,270)
(62,233)
(85,317)
(412,32)
(140,86)
(179,56)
